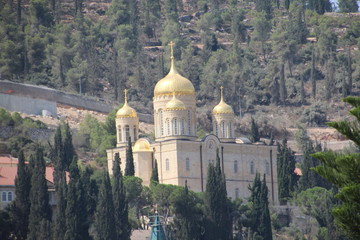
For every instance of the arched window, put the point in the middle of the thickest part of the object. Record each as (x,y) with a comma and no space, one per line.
(235,166)
(222,129)
(167,164)
(189,122)
(236,193)
(187,164)
(120,133)
(127,132)
(3,197)
(216,129)
(230,131)
(161,123)
(10,197)
(168,127)
(182,126)
(252,168)
(267,168)
(135,134)
(175,126)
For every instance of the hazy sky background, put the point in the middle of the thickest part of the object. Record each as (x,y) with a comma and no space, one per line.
(336,1)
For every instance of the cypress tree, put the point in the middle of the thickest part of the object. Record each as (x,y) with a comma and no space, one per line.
(129,167)
(59,225)
(287,178)
(312,74)
(255,136)
(68,148)
(260,215)
(123,228)
(40,211)
(77,226)
(217,208)
(265,221)
(104,216)
(22,204)
(90,189)
(154,174)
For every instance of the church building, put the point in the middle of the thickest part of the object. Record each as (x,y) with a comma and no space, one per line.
(180,155)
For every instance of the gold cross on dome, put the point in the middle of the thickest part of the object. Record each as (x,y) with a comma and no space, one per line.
(171,44)
(125,92)
(221,92)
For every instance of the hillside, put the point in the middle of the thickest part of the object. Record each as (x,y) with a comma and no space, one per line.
(285,66)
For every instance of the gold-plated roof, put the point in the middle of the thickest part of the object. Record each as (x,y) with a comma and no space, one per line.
(175,104)
(126,111)
(173,81)
(222,107)
(142,145)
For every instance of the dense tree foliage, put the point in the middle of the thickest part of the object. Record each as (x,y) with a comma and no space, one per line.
(341,169)
(287,178)
(40,211)
(260,215)
(129,165)
(217,206)
(21,209)
(123,229)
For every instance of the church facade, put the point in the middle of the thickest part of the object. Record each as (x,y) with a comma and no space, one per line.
(180,155)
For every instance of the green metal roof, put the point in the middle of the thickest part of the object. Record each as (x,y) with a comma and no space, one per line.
(157,231)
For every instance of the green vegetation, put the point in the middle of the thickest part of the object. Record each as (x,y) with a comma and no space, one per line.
(341,169)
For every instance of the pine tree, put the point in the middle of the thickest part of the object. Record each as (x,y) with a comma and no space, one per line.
(217,208)
(255,136)
(104,216)
(21,209)
(129,166)
(123,228)
(264,5)
(40,211)
(343,171)
(188,217)
(59,224)
(154,174)
(348,6)
(309,178)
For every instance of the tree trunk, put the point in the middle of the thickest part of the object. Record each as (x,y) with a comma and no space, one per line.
(312,77)
(349,84)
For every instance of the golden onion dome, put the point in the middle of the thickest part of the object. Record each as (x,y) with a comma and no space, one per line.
(222,107)
(173,81)
(142,145)
(126,111)
(175,104)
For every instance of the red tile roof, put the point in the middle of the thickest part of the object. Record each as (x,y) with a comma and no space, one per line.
(6,159)
(8,174)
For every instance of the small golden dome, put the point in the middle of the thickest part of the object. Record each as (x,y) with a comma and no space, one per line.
(142,145)
(222,107)
(126,111)
(175,104)
(173,81)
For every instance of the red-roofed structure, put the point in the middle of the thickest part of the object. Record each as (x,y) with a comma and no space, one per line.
(8,173)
